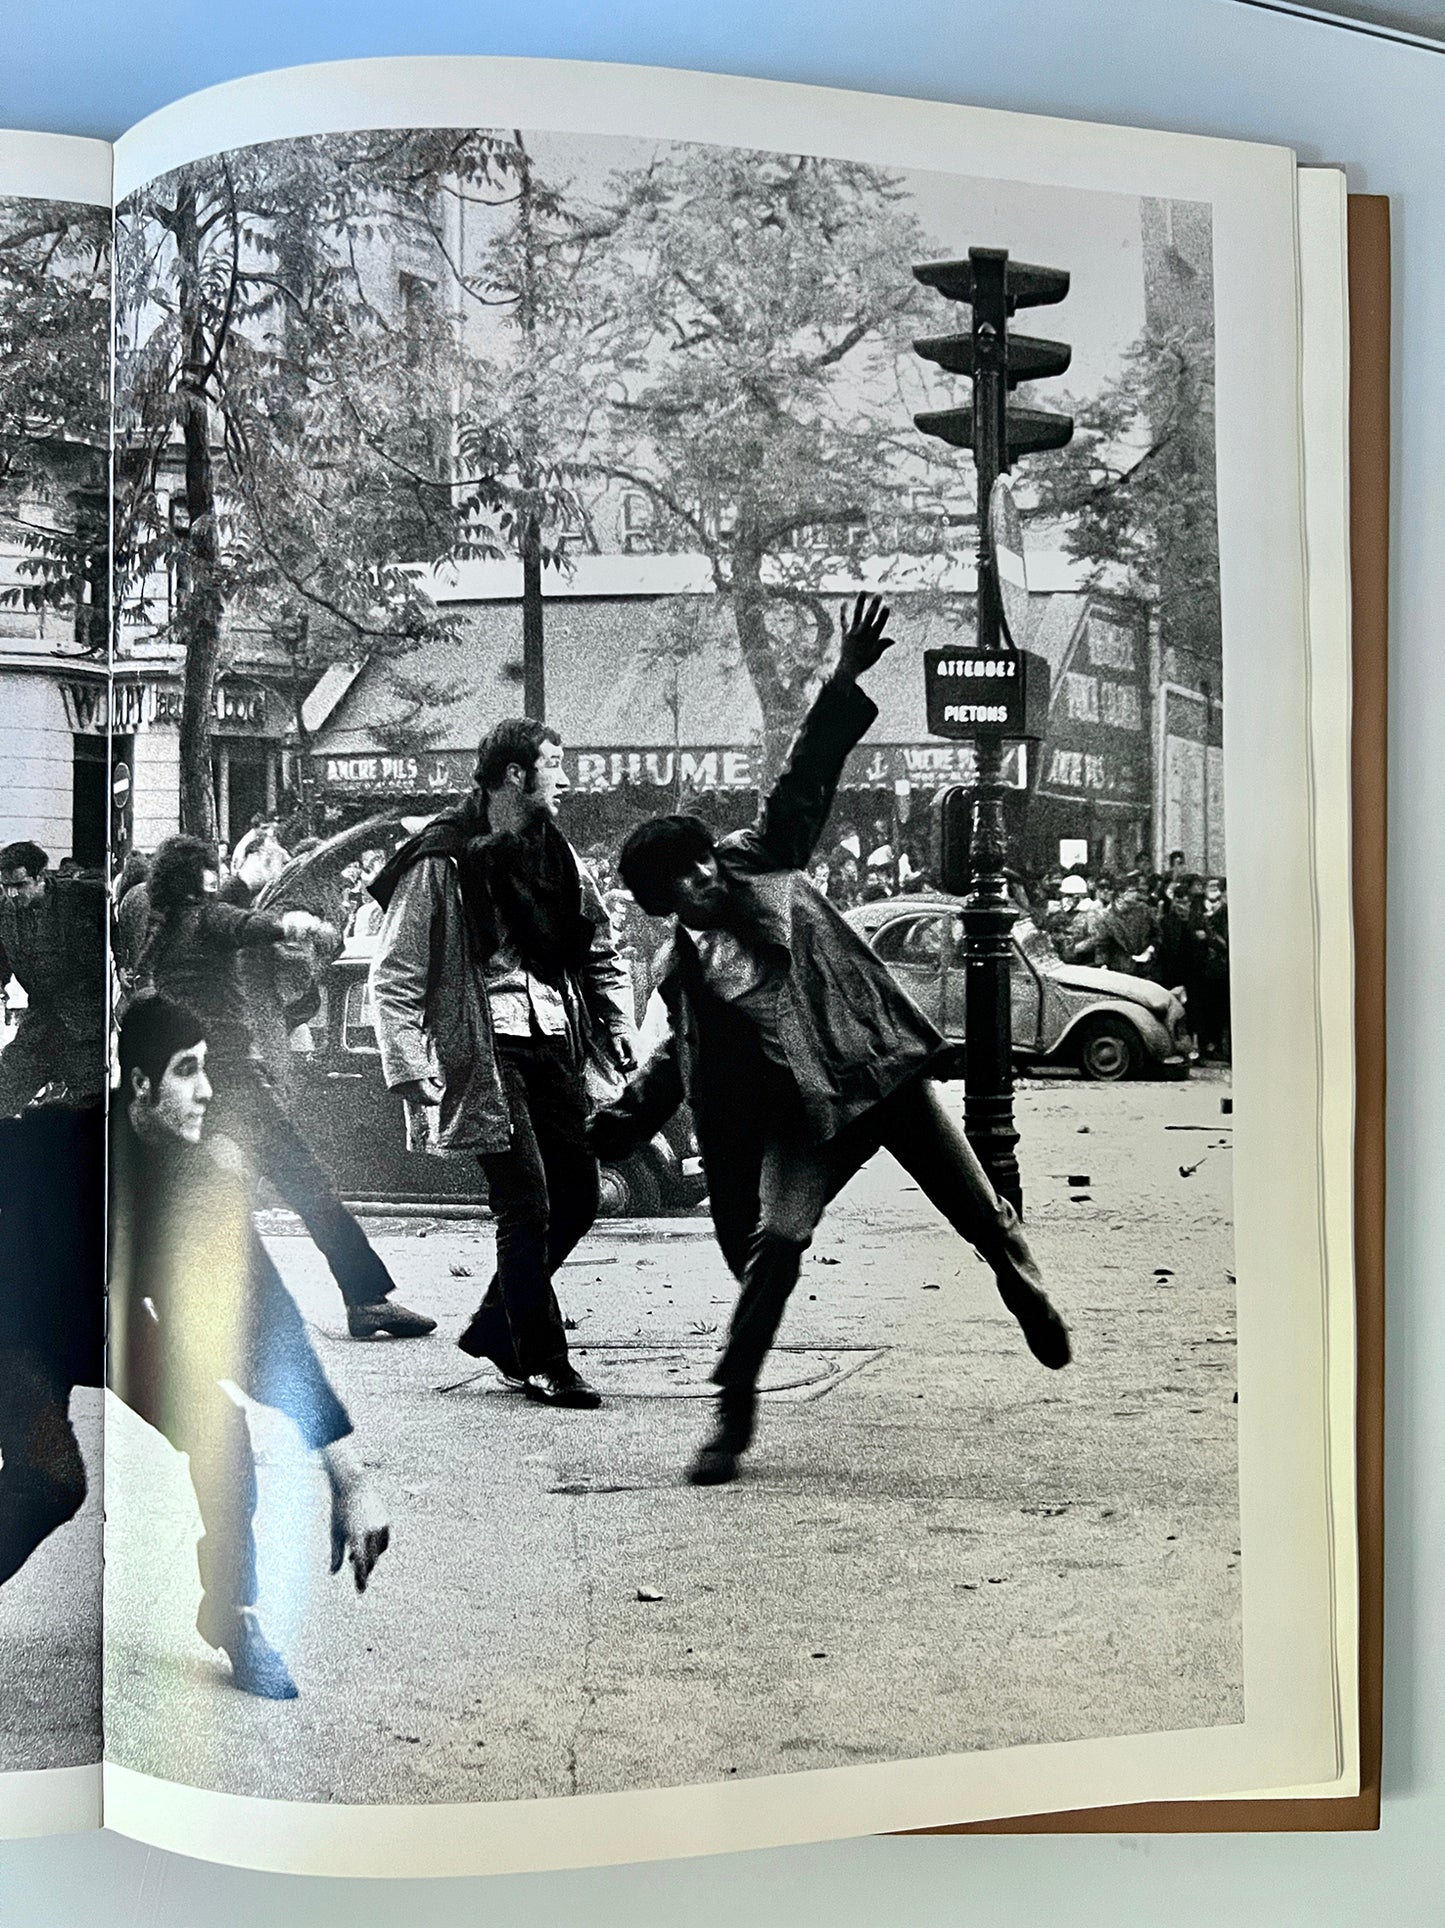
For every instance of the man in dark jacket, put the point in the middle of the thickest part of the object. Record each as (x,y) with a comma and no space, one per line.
(52,1314)
(53,943)
(496,985)
(191,953)
(195,1300)
(799,1052)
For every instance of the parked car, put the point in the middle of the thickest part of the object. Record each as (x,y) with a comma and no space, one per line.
(338,1097)
(1105,1023)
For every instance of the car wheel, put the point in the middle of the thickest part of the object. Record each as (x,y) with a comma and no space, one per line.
(1108,1049)
(628,1190)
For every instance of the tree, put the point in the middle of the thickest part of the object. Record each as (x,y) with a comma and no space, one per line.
(529,402)
(54,391)
(303,398)
(751,314)
(1136,488)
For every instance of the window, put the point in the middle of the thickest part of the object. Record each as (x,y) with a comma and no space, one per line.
(636,523)
(1081,697)
(1119,705)
(1111,646)
(912,940)
(358,1024)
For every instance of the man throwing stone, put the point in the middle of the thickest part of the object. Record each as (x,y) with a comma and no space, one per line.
(798,1051)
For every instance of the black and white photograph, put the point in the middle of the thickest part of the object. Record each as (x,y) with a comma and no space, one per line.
(54,826)
(672,1208)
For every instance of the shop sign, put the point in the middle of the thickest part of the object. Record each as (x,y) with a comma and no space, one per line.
(595,772)
(125,706)
(926,766)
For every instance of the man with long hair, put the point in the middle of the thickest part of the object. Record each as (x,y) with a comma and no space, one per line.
(495,983)
(799,1052)
(195,1300)
(190,953)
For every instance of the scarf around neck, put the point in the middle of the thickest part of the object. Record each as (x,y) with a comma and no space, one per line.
(521,888)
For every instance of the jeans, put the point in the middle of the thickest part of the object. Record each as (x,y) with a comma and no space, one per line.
(798,1176)
(246,1109)
(543,1193)
(175,1388)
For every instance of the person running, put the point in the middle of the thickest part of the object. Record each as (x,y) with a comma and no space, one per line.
(800,1054)
(53,943)
(191,954)
(195,1299)
(496,986)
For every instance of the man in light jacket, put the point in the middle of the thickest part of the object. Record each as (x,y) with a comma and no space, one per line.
(495,985)
(799,1052)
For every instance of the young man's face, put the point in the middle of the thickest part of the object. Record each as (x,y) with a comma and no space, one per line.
(176,1108)
(700,894)
(548,783)
(20,887)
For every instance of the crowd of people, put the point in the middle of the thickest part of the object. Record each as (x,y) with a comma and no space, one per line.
(1171,926)
(504,1016)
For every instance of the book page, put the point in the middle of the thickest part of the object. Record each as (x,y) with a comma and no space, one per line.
(54,810)
(452,394)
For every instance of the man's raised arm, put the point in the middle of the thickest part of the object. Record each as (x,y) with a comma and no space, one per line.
(796,808)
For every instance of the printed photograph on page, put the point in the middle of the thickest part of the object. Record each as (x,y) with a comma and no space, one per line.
(57,803)
(672,1195)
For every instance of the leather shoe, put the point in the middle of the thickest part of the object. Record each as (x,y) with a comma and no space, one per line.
(561,1386)
(1045,1334)
(384,1316)
(716,1461)
(713,1464)
(256,1667)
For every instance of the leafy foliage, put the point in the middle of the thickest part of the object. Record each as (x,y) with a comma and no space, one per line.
(284,414)
(54,393)
(1136,486)
(750,309)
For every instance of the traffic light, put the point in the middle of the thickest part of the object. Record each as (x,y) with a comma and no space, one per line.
(996,430)
(953,816)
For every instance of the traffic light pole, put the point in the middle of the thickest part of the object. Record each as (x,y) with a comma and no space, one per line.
(988,913)
(996,360)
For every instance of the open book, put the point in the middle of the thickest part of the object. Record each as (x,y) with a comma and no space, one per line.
(582,823)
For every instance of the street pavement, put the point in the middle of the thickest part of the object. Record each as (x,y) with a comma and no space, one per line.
(937,1545)
(50,1630)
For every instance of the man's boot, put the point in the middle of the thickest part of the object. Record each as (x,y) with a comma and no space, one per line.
(256,1667)
(716,1460)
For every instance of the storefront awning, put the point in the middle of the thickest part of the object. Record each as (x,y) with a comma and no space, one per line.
(627,713)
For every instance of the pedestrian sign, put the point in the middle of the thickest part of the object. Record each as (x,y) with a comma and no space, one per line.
(988,693)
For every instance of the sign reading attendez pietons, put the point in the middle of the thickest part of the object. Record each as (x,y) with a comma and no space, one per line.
(996,693)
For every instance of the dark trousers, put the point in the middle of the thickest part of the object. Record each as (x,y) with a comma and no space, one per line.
(543,1194)
(42,1480)
(246,1109)
(41,1052)
(178,1393)
(772,1209)
(212,1431)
